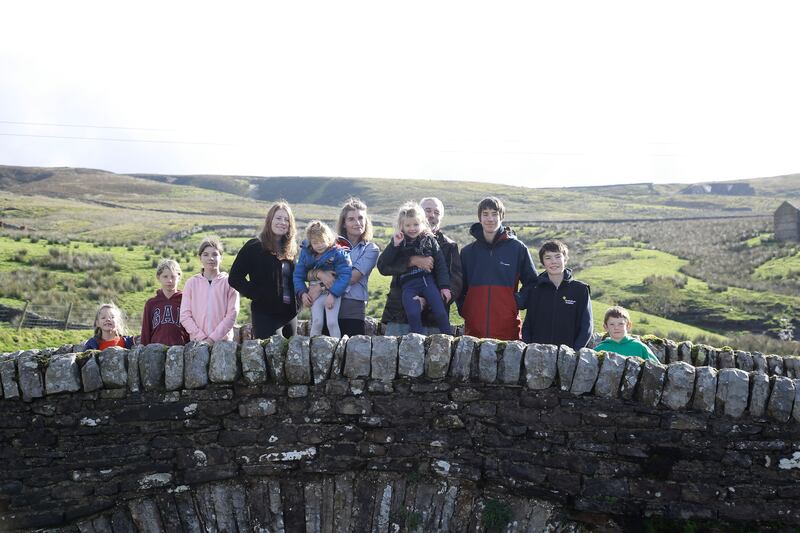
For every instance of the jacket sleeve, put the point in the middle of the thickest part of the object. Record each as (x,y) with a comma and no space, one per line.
(91,344)
(440,267)
(367,261)
(392,262)
(344,271)
(465,281)
(146,324)
(527,324)
(187,320)
(300,272)
(229,319)
(527,276)
(240,269)
(129,341)
(456,279)
(586,325)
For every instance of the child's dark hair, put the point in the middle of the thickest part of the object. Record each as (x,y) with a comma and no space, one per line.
(493,203)
(554,246)
(213,242)
(98,332)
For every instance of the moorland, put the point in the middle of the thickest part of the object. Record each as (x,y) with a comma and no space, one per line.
(704,267)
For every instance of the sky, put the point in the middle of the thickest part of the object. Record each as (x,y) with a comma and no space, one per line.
(524,93)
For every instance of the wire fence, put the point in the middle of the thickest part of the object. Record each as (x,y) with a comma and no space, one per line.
(55,316)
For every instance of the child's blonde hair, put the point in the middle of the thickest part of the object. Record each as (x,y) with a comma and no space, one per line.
(414,211)
(617,312)
(318,230)
(120,320)
(212,241)
(169,264)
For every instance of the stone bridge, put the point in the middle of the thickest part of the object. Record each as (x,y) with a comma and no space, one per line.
(395,434)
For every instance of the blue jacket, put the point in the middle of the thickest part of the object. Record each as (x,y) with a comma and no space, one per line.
(492,272)
(560,315)
(336,259)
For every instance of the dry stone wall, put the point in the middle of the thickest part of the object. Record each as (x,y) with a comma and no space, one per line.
(381,433)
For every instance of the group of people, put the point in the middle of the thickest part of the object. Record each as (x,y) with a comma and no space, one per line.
(491,279)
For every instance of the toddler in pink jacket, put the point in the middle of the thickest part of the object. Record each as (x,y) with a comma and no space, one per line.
(210,306)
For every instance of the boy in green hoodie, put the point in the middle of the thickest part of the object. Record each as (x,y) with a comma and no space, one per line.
(617,322)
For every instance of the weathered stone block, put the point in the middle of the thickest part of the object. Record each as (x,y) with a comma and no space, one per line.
(63,374)
(733,387)
(726,359)
(510,363)
(152,362)
(610,375)
(297,391)
(588,366)
(700,357)
(411,358)
(90,375)
(384,358)
(796,408)
(685,352)
(651,384)
(112,368)
(775,365)
(195,365)
(759,362)
(791,366)
(487,361)
(567,362)
(275,356)
(358,357)
(759,394)
(744,361)
(134,383)
(298,361)
(254,366)
(337,366)
(173,368)
(679,385)
(31,384)
(322,349)
(631,377)
(354,406)
(659,349)
(437,356)
(705,389)
(464,358)
(781,400)
(222,367)
(540,365)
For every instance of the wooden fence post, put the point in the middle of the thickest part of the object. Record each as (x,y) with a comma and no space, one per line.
(66,320)
(22,317)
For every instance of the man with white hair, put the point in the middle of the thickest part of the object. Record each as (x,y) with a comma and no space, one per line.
(393,314)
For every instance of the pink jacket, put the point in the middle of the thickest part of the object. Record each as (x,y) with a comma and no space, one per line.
(208,310)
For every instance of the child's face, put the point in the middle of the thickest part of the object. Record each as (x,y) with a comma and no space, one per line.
(280,223)
(211,258)
(554,262)
(169,281)
(318,245)
(106,320)
(617,327)
(411,227)
(490,220)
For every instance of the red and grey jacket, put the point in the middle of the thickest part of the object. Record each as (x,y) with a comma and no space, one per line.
(489,301)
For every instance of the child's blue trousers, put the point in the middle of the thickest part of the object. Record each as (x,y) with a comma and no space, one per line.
(424,286)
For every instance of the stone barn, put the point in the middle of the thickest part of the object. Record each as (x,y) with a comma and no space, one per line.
(787,222)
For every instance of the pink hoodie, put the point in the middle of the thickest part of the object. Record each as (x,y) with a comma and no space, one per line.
(208,310)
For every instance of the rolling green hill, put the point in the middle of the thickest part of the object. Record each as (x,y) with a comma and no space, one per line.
(695,265)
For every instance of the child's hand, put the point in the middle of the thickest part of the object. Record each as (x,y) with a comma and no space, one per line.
(306,298)
(330,300)
(445,295)
(398,238)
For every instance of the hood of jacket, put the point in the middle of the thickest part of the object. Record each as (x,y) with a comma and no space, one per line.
(503,234)
(544,278)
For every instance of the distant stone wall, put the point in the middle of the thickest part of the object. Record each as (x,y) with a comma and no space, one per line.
(409,433)
(787,222)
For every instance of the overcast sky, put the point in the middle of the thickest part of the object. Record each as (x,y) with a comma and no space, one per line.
(525,93)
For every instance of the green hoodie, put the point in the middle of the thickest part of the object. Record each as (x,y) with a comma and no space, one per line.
(627,346)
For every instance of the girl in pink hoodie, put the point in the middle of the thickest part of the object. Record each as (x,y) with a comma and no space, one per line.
(210,306)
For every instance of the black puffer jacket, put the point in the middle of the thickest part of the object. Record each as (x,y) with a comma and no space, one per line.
(560,315)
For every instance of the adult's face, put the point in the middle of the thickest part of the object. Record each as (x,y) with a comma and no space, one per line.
(280,223)
(434,212)
(355,222)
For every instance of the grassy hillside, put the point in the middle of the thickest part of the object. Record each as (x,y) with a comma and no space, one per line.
(82,236)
